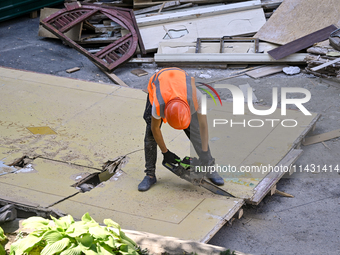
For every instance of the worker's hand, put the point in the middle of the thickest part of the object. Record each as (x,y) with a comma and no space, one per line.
(170,157)
(206,159)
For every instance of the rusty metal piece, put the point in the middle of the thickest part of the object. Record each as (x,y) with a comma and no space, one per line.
(113,54)
(224,39)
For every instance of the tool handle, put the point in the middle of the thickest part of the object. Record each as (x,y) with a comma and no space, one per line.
(169,166)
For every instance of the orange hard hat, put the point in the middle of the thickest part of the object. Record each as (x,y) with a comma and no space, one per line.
(177,113)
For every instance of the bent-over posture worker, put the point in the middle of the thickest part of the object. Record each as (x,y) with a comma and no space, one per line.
(174,98)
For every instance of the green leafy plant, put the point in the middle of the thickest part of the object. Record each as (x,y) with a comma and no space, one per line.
(2,238)
(67,237)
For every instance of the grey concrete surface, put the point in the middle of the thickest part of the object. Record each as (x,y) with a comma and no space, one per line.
(306,224)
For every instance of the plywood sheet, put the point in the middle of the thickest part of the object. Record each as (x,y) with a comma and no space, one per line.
(264,146)
(298,18)
(239,23)
(104,122)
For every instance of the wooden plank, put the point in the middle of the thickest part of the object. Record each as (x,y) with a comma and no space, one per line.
(302,43)
(72,70)
(193,14)
(142,60)
(249,58)
(325,64)
(113,77)
(297,18)
(264,71)
(267,184)
(321,137)
(139,72)
(157,7)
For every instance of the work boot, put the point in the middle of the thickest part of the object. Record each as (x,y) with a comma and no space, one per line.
(215,178)
(147,182)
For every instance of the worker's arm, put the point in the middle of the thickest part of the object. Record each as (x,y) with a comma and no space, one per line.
(157,133)
(203,123)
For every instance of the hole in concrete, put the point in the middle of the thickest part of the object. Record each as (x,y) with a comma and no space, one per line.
(110,168)
(22,162)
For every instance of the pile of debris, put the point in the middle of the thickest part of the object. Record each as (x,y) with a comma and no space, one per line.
(197,31)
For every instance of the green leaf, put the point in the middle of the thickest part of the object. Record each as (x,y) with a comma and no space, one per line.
(91,251)
(127,239)
(2,250)
(104,249)
(2,235)
(36,223)
(111,242)
(77,231)
(63,222)
(111,223)
(99,232)
(24,245)
(56,247)
(87,218)
(52,236)
(73,251)
(85,240)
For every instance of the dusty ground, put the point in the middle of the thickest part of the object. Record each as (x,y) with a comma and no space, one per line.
(305,224)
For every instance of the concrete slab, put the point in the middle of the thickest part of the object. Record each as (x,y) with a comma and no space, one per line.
(242,145)
(95,123)
(44,184)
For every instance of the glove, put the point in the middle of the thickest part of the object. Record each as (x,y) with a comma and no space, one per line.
(170,157)
(206,159)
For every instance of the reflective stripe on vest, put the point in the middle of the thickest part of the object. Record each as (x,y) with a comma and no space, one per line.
(160,102)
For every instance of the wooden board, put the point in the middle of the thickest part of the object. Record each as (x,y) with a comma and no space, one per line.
(297,18)
(325,65)
(302,43)
(246,58)
(202,27)
(264,71)
(193,13)
(321,137)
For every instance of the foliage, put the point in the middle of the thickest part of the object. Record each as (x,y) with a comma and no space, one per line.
(67,237)
(228,252)
(2,238)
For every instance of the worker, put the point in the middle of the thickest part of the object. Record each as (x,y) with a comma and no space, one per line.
(174,98)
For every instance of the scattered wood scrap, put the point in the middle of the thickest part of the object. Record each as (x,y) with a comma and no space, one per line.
(72,70)
(325,64)
(329,68)
(264,71)
(284,194)
(139,72)
(321,137)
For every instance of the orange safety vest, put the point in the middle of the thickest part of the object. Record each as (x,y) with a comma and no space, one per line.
(168,84)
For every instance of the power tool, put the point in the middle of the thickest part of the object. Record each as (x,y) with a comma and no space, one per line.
(189,169)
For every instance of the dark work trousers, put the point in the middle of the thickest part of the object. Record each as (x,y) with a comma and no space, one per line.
(150,145)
